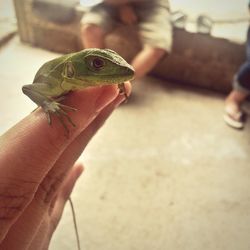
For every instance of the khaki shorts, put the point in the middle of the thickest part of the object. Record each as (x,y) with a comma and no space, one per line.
(153,21)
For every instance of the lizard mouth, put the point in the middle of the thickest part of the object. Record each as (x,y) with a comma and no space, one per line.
(119,78)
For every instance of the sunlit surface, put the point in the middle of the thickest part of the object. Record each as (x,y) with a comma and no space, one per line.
(217,10)
(89,3)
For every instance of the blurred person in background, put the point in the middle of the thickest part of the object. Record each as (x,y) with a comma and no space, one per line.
(152,17)
(234,115)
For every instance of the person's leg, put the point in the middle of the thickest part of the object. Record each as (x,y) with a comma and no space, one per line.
(146,59)
(234,115)
(157,43)
(92,36)
(241,89)
(234,102)
(95,24)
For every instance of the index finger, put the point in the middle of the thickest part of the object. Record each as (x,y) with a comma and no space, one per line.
(33,141)
(30,149)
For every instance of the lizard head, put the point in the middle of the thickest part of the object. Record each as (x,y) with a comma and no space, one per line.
(97,67)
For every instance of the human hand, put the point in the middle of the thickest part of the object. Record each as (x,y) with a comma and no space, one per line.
(127,14)
(36,174)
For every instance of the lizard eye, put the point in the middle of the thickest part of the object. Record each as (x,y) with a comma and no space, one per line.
(97,63)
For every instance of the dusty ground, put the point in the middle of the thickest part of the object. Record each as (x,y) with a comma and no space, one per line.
(164,172)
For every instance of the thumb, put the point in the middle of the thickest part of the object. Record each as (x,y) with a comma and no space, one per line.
(64,193)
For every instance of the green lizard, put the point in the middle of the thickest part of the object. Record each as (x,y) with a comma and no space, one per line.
(86,68)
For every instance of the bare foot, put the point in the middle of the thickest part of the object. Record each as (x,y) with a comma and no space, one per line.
(234,115)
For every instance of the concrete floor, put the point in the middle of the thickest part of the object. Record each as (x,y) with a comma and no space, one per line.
(164,173)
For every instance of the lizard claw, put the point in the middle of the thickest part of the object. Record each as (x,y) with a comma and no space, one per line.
(122,91)
(54,107)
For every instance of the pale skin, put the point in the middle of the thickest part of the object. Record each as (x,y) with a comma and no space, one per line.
(93,37)
(34,190)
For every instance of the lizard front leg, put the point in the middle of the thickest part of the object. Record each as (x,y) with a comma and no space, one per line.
(36,92)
